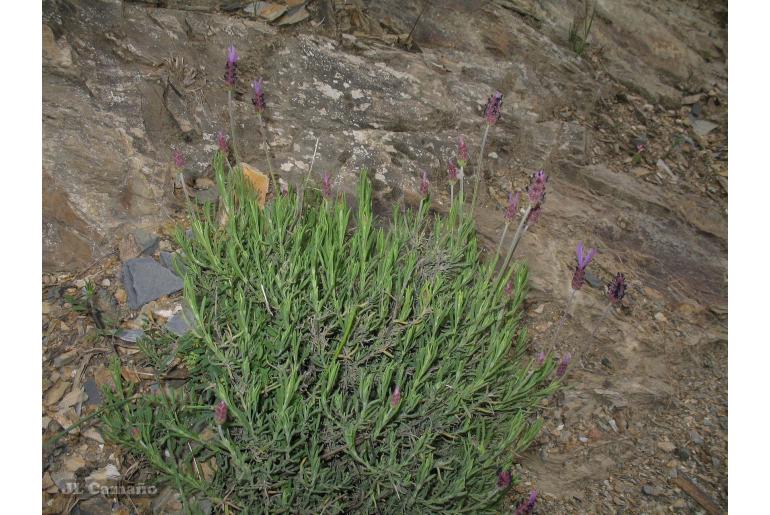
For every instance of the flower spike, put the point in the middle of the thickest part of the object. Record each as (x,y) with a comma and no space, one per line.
(616,289)
(493,107)
(259,96)
(578,278)
(220,413)
(462,152)
(513,206)
(424,184)
(231,67)
(327,185)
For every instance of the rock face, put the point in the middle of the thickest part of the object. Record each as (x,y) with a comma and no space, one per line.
(124,83)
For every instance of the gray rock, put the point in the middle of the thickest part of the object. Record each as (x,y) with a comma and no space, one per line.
(168,260)
(147,241)
(130,335)
(209,195)
(696,438)
(145,280)
(703,127)
(663,167)
(181,323)
(93,391)
(65,358)
(691,99)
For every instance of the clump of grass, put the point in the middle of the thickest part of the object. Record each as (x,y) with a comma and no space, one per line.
(580,27)
(337,366)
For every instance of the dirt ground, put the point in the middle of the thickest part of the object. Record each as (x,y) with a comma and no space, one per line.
(641,426)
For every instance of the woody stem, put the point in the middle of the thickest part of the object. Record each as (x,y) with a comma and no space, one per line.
(517,236)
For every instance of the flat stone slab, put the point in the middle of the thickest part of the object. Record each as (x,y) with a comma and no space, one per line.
(146,280)
(130,335)
(703,127)
(167,260)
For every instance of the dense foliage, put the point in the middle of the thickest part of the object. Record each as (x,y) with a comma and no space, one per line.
(363,368)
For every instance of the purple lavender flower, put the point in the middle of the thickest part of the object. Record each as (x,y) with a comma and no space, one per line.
(220,413)
(513,206)
(492,109)
(462,152)
(504,478)
(395,396)
(327,185)
(178,158)
(578,278)
(136,434)
(528,505)
(536,188)
(509,288)
(231,68)
(452,171)
(534,214)
(616,289)
(562,368)
(222,142)
(259,96)
(640,148)
(541,359)
(424,184)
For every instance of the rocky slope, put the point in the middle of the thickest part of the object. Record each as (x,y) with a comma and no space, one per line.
(125,82)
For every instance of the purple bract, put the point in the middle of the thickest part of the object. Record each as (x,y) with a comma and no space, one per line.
(513,206)
(616,289)
(231,67)
(220,413)
(493,107)
(504,479)
(528,505)
(578,278)
(424,184)
(562,368)
(462,152)
(395,396)
(259,96)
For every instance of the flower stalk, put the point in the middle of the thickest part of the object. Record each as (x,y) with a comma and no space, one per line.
(510,213)
(179,163)
(462,161)
(536,194)
(231,75)
(492,115)
(578,279)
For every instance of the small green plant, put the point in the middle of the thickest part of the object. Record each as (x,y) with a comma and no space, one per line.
(81,302)
(580,27)
(337,366)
